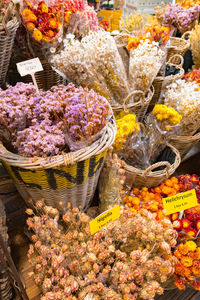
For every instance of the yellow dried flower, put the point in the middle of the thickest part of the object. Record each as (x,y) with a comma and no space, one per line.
(168,114)
(125,127)
(191,245)
(187,261)
(132,22)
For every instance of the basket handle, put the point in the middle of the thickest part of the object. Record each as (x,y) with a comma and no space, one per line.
(133,94)
(170,61)
(156,165)
(187,33)
(9,11)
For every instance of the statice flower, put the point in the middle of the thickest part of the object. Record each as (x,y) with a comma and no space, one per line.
(180,17)
(41,139)
(13,107)
(48,123)
(85,116)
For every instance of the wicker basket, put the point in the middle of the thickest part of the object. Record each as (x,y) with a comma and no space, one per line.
(150,178)
(178,46)
(160,82)
(7,36)
(71,177)
(185,143)
(5,287)
(26,48)
(139,108)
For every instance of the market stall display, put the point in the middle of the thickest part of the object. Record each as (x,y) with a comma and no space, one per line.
(94,147)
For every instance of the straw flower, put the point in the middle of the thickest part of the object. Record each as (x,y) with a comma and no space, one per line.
(183,248)
(187,261)
(126,126)
(191,245)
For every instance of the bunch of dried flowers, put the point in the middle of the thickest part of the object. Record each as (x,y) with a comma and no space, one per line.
(47,123)
(129,259)
(187,270)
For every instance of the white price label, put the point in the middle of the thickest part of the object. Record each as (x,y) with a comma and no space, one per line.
(30,66)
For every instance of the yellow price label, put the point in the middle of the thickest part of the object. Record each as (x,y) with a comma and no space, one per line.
(180,202)
(104,219)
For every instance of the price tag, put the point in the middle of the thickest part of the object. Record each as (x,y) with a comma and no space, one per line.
(103,219)
(30,66)
(180,202)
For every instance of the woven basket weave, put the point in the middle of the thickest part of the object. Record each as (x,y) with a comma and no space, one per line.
(139,106)
(5,287)
(7,36)
(149,178)
(178,46)
(160,82)
(185,143)
(71,177)
(48,77)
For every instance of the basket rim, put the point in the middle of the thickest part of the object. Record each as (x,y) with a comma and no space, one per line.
(148,98)
(171,77)
(103,143)
(185,138)
(145,174)
(180,43)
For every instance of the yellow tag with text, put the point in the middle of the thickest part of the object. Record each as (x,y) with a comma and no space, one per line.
(103,219)
(180,202)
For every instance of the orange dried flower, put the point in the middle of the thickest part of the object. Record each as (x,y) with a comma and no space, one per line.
(183,248)
(196,268)
(37,34)
(45,38)
(26,12)
(197,253)
(53,23)
(67,16)
(30,26)
(44,8)
(179,269)
(191,245)
(30,18)
(177,254)
(50,33)
(179,283)
(187,261)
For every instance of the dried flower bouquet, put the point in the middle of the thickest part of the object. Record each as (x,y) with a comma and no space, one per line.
(129,259)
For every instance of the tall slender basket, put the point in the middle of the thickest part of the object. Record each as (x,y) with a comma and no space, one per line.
(8,30)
